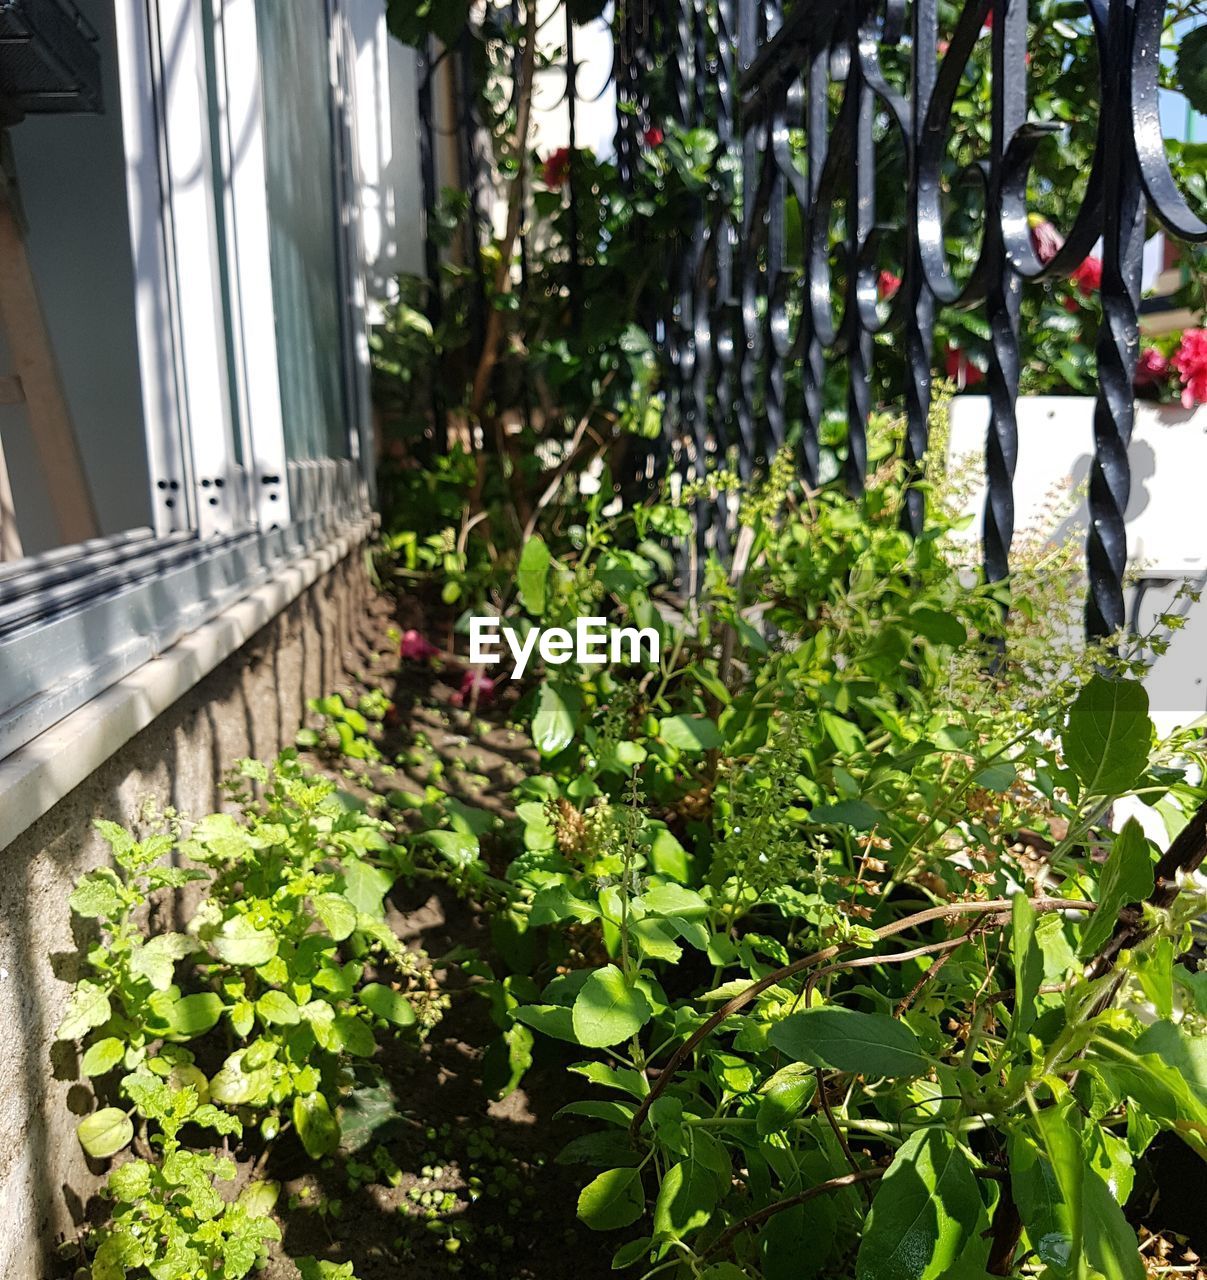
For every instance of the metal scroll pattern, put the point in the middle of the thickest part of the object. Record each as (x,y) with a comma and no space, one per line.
(804,99)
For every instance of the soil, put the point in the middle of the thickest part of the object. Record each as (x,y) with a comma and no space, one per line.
(473,1187)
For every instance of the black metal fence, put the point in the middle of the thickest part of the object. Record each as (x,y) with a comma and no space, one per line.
(779,285)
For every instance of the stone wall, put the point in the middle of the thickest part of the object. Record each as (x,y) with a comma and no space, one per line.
(250,705)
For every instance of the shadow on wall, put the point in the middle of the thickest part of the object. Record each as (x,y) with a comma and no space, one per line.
(251,705)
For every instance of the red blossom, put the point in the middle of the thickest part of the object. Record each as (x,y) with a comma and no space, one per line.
(476,689)
(1088,277)
(556,168)
(887,285)
(1190,360)
(654,137)
(1152,368)
(1045,239)
(416,647)
(961,370)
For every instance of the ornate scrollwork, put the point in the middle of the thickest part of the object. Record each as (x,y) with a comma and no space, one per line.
(773,323)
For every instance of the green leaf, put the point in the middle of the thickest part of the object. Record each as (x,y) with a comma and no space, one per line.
(608,1010)
(278,1009)
(674,900)
(1192,68)
(194,1015)
(1107,740)
(686,1199)
(387,1003)
(531,575)
(555,720)
(239,942)
(258,1199)
(156,958)
(925,1212)
(316,1126)
(105,1132)
(457,847)
(353,1036)
(549,1019)
(1048,1218)
(1126,878)
(103,1056)
(856,814)
(365,887)
(1028,964)
(88,1007)
(868,1044)
(784,1097)
(690,733)
(614,1199)
(97,896)
(939,628)
(337,914)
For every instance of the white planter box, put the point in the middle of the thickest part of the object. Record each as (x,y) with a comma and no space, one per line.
(1166,523)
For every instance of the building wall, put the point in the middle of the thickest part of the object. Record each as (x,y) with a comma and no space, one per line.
(250,705)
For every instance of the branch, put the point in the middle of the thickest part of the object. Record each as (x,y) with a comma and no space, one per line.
(743,998)
(515,214)
(726,1237)
(1184,856)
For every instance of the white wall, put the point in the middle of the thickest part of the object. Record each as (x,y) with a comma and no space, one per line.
(387,145)
(71,176)
(1167,537)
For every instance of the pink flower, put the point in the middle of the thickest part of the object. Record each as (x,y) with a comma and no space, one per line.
(1088,276)
(654,137)
(556,168)
(1045,239)
(417,648)
(1190,360)
(1152,368)
(887,285)
(476,688)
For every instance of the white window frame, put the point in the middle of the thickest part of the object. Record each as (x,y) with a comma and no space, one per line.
(76,621)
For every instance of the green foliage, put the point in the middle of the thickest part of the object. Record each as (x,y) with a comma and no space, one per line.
(822,970)
(287,957)
(346,730)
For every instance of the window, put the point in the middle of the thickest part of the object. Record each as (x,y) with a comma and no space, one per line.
(194,253)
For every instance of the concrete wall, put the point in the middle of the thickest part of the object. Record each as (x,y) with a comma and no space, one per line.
(251,705)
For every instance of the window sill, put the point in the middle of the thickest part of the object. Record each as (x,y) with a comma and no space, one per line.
(36,776)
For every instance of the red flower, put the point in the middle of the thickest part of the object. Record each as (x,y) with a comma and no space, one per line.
(417,648)
(1190,360)
(887,285)
(1152,368)
(1045,239)
(961,370)
(1088,277)
(475,689)
(654,137)
(556,168)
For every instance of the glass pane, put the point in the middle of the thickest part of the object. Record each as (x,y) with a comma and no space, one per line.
(294,43)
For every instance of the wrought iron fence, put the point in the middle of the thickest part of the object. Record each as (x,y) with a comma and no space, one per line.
(780,283)
(802,101)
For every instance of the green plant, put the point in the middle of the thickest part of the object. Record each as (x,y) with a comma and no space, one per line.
(840,917)
(346,729)
(288,954)
(169,1220)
